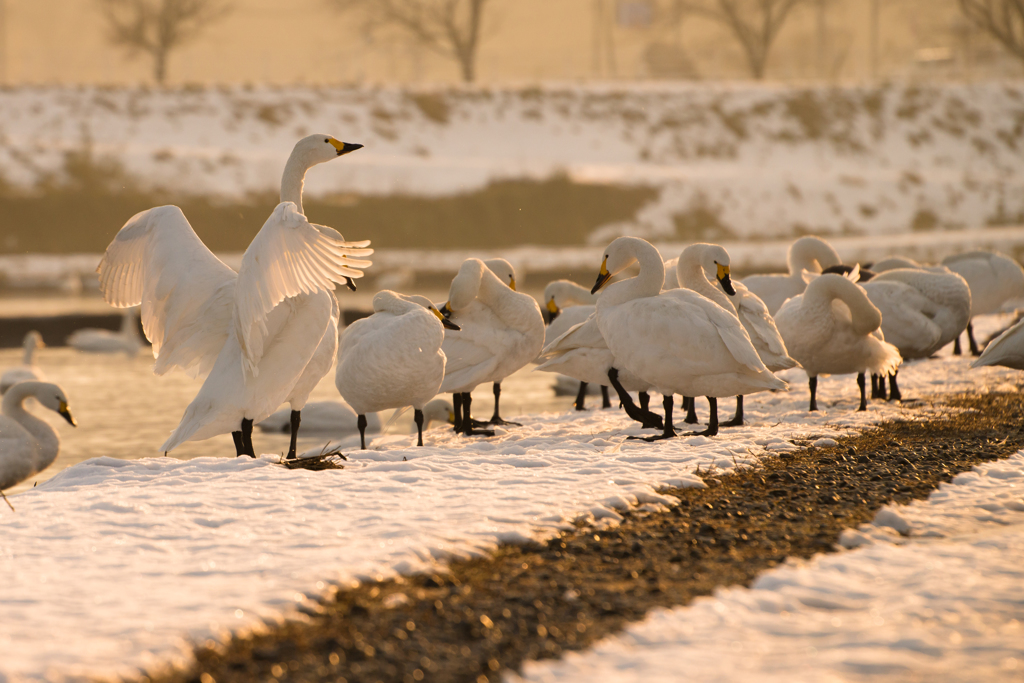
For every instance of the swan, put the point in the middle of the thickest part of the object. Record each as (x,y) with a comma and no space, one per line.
(393,358)
(922,311)
(809,253)
(691,270)
(92,340)
(28,370)
(27,444)
(320,417)
(254,332)
(1007,349)
(993,278)
(502,331)
(831,328)
(678,341)
(567,304)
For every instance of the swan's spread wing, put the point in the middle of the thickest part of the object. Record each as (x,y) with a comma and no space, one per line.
(288,257)
(186,292)
(725,323)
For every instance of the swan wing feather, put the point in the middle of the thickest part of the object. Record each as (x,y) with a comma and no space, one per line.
(725,323)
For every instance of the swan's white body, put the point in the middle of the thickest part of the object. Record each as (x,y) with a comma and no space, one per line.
(691,272)
(677,341)
(570,303)
(831,329)
(812,254)
(922,311)
(582,353)
(1007,349)
(393,358)
(28,445)
(502,330)
(994,279)
(92,340)
(28,370)
(321,417)
(255,331)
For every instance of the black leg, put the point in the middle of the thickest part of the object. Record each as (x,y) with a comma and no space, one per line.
(813,384)
(296,419)
(669,431)
(956,346)
(581,397)
(894,389)
(496,418)
(691,410)
(645,401)
(468,427)
(712,429)
(361,423)
(247,448)
(862,383)
(239,449)
(418,418)
(975,351)
(605,400)
(877,387)
(645,417)
(737,420)
(457,404)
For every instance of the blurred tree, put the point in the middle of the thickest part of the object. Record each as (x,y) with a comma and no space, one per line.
(449,27)
(754,23)
(155,27)
(1001,19)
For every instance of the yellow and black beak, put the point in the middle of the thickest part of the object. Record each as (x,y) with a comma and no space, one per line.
(602,277)
(723,277)
(552,310)
(446,310)
(445,322)
(343,147)
(66,414)
(451,417)
(512,284)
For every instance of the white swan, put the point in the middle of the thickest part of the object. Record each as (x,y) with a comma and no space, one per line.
(28,370)
(502,331)
(994,279)
(320,417)
(831,329)
(567,304)
(678,341)
(393,358)
(93,340)
(691,272)
(922,311)
(1006,350)
(29,445)
(254,331)
(812,254)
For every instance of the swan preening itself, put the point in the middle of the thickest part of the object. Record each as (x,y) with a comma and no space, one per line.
(501,331)
(28,445)
(678,341)
(93,340)
(832,328)
(28,370)
(254,332)
(393,358)
(811,254)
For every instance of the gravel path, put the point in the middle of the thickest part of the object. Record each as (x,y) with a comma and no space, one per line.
(491,614)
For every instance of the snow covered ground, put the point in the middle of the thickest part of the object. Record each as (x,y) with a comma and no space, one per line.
(746,159)
(115,564)
(942,601)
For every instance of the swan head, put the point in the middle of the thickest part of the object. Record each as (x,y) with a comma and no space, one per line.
(712,259)
(426,303)
(504,270)
(33,340)
(811,253)
(621,254)
(438,410)
(318,148)
(51,396)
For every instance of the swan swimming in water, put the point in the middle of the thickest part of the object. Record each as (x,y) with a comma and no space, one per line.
(810,253)
(678,341)
(93,340)
(28,445)
(28,370)
(393,358)
(253,332)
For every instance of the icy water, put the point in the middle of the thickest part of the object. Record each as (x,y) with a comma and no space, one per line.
(125,411)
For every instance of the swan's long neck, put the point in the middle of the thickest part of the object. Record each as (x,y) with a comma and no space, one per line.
(866,318)
(292,179)
(13,407)
(128,329)
(566,292)
(812,255)
(691,275)
(467,284)
(30,350)
(647,283)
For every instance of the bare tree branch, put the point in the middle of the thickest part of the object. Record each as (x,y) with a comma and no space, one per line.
(451,28)
(156,27)
(1001,19)
(754,23)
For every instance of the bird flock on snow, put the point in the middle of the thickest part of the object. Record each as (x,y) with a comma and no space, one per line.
(264,336)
